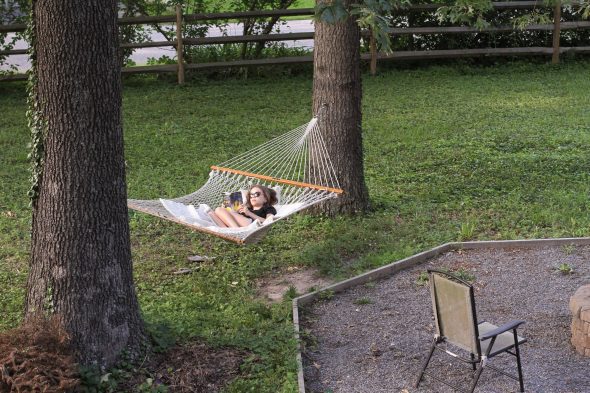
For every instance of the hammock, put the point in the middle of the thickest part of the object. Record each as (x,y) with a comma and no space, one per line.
(295,164)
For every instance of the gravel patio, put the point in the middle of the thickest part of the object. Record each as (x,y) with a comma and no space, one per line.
(372,338)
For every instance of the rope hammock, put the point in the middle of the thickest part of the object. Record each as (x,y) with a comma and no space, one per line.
(295,164)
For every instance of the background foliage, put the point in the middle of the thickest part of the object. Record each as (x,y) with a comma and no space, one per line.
(11,12)
(480,14)
(374,15)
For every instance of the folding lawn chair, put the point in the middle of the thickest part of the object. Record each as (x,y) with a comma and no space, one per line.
(456,324)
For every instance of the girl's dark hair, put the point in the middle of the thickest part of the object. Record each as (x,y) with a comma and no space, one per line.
(269,194)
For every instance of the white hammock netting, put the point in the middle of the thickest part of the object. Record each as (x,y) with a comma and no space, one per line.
(295,164)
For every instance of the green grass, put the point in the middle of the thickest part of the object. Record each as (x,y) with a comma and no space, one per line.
(305,4)
(450,153)
(302,4)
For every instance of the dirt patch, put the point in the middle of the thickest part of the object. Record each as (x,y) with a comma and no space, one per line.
(193,367)
(304,280)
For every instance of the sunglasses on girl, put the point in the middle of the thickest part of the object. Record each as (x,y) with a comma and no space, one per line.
(255,194)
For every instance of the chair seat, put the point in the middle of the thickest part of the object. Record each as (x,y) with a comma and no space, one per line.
(503,341)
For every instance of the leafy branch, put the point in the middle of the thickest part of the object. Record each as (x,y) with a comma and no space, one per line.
(369,14)
(536,17)
(583,7)
(330,12)
(470,12)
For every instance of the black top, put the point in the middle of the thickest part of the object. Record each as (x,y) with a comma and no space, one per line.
(264,211)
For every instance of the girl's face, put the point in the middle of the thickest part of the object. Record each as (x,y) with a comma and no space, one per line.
(257,198)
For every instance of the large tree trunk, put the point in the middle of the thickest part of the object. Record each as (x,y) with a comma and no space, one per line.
(337,83)
(80,266)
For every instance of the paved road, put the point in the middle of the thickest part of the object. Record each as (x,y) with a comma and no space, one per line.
(140,56)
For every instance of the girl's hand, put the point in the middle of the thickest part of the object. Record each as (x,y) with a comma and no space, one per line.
(244,210)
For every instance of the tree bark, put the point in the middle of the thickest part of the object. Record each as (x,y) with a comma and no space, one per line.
(80,267)
(337,84)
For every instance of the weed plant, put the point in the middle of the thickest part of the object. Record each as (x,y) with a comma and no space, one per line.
(463,152)
(423,279)
(565,268)
(568,249)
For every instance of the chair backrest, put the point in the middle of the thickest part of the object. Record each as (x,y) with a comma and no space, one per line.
(454,310)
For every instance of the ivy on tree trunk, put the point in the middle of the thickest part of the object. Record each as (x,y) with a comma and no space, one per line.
(80,267)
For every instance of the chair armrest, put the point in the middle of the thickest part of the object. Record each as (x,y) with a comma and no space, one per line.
(502,329)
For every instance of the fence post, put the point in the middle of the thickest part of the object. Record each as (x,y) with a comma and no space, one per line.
(373,48)
(179,45)
(556,32)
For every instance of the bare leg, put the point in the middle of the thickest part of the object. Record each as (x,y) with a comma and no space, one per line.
(216,219)
(226,217)
(241,220)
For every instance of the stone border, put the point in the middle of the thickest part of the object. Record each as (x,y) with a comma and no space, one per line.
(408,262)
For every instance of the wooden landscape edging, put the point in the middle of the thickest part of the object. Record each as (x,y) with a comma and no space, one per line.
(408,262)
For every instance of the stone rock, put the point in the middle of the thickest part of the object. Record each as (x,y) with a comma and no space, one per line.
(580,308)
(580,299)
(199,258)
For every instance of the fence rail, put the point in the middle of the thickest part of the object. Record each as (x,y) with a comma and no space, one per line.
(557,27)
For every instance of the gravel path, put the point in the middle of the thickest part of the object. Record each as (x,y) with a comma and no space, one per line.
(373,337)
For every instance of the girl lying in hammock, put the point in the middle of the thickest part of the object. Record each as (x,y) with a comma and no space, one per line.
(258,206)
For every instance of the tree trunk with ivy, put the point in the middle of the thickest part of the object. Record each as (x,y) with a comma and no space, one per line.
(337,84)
(80,267)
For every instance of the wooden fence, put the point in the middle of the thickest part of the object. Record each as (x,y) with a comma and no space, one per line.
(181,66)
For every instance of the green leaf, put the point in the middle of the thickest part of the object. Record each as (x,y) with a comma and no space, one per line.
(469,12)
(331,12)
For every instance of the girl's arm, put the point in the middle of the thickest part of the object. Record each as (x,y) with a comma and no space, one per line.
(244,210)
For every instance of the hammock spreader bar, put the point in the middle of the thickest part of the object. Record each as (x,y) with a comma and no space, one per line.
(296,164)
(275,180)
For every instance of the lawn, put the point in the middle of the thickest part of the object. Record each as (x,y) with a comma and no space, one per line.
(450,154)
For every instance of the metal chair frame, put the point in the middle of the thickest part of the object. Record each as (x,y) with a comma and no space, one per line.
(478,360)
